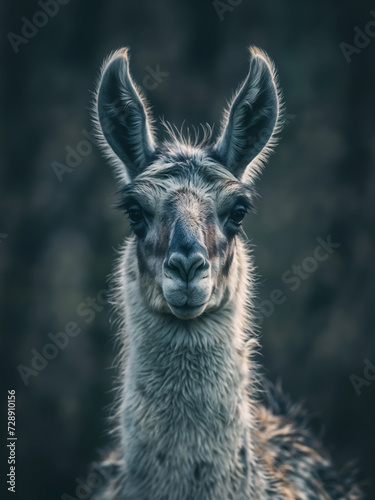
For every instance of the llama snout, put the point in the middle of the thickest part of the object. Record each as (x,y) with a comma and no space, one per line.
(188,290)
(186,273)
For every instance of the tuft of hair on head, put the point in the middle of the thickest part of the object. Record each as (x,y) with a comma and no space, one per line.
(189,137)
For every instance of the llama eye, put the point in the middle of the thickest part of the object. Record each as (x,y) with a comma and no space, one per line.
(135,215)
(237,215)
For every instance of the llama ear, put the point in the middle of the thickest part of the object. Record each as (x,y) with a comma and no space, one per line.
(251,121)
(121,118)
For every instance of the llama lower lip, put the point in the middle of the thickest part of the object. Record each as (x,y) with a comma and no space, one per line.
(186,311)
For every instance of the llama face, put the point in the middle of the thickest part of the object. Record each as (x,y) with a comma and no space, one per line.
(186,202)
(186,211)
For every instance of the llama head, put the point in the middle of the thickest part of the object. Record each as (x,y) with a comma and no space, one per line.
(186,201)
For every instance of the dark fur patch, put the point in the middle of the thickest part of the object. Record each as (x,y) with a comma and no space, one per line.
(227,255)
(210,241)
(156,248)
(142,261)
(162,244)
(243,458)
(201,470)
(227,264)
(197,472)
(183,239)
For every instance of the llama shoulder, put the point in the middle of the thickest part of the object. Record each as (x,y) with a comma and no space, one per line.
(293,458)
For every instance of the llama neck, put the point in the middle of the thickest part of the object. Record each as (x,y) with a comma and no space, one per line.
(185,416)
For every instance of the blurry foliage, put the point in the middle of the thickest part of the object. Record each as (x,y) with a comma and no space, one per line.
(62,236)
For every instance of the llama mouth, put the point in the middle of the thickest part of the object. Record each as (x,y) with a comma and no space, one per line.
(187,311)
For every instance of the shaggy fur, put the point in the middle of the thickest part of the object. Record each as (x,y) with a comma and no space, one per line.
(194,421)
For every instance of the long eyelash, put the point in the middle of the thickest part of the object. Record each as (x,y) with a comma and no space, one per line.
(125,202)
(121,204)
(126,198)
(248,198)
(247,204)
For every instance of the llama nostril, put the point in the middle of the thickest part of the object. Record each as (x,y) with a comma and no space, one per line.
(175,264)
(198,264)
(187,267)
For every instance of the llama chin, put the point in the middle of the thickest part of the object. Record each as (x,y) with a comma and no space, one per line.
(196,420)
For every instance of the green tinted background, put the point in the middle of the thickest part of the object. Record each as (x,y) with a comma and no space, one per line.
(62,236)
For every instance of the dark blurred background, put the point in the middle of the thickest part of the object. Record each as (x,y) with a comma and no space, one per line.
(59,232)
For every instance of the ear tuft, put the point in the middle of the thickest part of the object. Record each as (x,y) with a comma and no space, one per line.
(252,120)
(121,118)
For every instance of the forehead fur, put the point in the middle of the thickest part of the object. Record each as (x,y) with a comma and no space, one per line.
(179,167)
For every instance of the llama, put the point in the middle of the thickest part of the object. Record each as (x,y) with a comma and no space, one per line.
(195,419)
